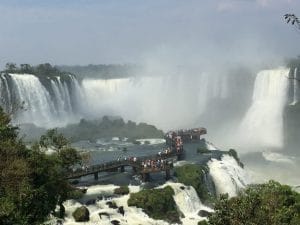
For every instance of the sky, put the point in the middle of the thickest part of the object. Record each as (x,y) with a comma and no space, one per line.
(68,32)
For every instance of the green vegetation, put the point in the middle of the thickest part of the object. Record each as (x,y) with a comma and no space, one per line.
(32,183)
(110,127)
(202,150)
(203,222)
(81,214)
(270,203)
(194,175)
(157,203)
(123,190)
(41,70)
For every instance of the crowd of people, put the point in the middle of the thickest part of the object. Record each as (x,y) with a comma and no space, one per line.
(156,164)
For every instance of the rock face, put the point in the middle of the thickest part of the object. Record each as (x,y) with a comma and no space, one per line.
(81,214)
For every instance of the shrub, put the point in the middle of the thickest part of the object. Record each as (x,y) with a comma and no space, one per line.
(270,203)
(193,175)
(123,190)
(202,150)
(157,203)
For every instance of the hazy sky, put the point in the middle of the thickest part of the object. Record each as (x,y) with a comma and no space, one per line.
(131,31)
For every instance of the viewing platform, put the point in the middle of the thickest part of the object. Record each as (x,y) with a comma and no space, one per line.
(161,162)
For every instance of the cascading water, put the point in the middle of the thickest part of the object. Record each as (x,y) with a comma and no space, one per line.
(227,175)
(263,123)
(188,202)
(166,101)
(44,105)
(38,104)
(295,87)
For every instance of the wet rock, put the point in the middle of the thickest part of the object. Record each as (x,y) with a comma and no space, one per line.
(112,205)
(204,213)
(90,202)
(121,210)
(100,197)
(182,187)
(104,214)
(81,214)
(115,222)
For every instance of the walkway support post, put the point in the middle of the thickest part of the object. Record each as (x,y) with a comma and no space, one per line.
(168,176)
(122,169)
(96,176)
(145,177)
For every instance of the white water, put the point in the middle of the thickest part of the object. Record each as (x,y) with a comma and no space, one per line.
(263,123)
(166,101)
(186,200)
(188,203)
(228,176)
(28,87)
(40,106)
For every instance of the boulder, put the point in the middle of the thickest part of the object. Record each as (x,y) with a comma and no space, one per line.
(204,213)
(115,222)
(121,210)
(104,214)
(81,214)
(112,205)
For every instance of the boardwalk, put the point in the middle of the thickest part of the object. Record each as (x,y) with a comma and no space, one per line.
(147,164)
(137,166)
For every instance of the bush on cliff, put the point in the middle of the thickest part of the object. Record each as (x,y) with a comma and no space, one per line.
(123,190)
(193,175)
(157,203)
(270,203)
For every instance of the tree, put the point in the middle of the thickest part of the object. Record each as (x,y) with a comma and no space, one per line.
(32,183)
(270,203)
(10,67)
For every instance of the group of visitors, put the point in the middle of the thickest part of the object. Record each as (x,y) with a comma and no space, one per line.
(155,164)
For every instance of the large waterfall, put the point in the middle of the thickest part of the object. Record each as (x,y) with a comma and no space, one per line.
(263,123)
(220,102)
(166,101)
(47,103)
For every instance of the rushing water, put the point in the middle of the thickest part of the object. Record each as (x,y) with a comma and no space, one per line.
(263,123)
(216,101)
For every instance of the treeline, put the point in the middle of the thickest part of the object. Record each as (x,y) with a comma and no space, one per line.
(41,70)
(102,71)
(109,127)
(32,183)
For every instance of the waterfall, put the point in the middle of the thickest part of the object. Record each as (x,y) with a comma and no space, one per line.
(188,203)
(38,105)
(263,123)
(165,101)
(53,102)
(227,175)
(295,87)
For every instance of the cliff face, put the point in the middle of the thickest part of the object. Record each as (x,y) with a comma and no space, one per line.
(292,128)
